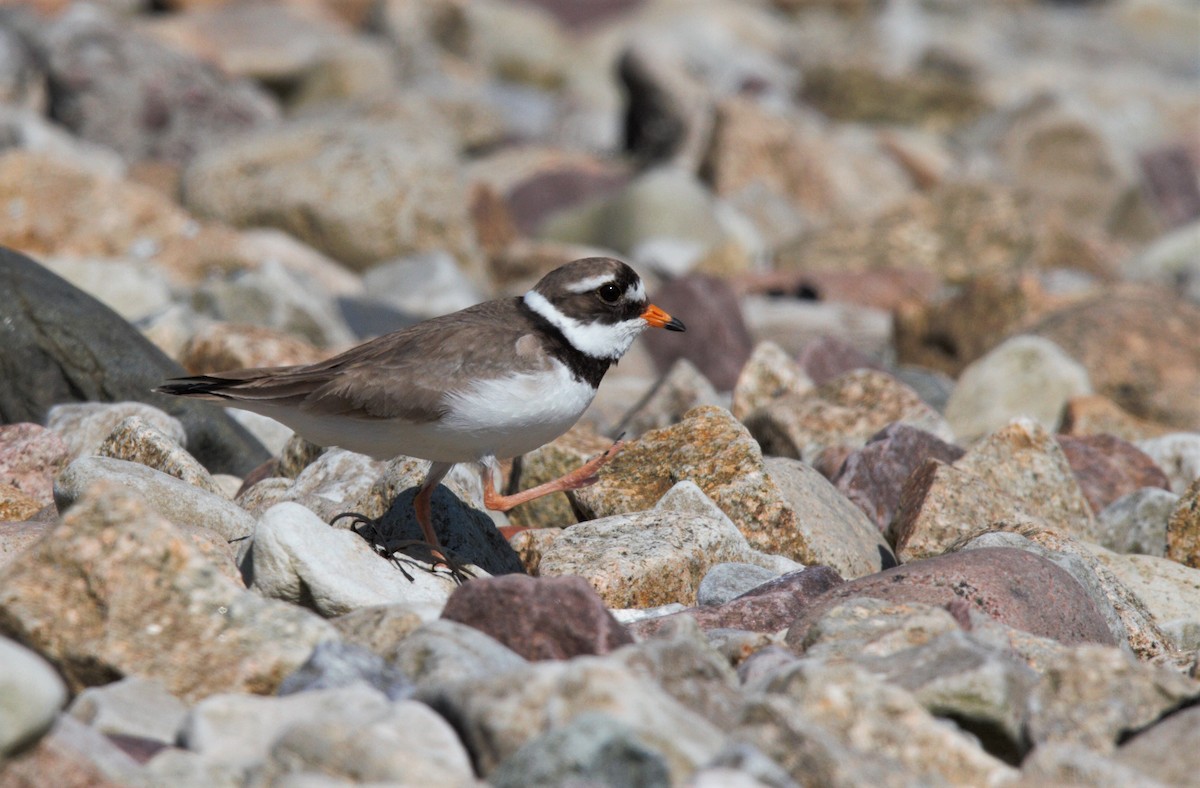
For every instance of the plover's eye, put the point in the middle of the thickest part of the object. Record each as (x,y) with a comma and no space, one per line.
(609,293)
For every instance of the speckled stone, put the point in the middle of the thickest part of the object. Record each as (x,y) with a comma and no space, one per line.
(712,449)
(844,412)
(136,440)
(769,373)
(940,504)
(30,457)
(1183,529)
(1024,461)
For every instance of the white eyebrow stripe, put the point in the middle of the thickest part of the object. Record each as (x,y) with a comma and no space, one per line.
(591,283)
(636,292)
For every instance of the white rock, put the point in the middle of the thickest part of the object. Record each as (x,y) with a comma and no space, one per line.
(1178,454)
(298,557)
(31,693)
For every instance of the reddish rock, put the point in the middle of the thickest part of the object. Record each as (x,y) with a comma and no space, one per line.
(873,476)
(767,608)
(1015,587)
(1107,468)
(30,457)
(717,340)
(548,191)
(827,358)
(539,618)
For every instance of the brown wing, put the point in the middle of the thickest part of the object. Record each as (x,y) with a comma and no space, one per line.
(405,374)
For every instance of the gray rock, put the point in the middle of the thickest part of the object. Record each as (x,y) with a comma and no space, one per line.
(985,690)
(592,748)
(1166,750)
(404,744)
(330,485)
(301,559)
(1057,763)
(71,753)
(145,601)
(132,706)
(653,558)
(1173,260)
(181,503)
(380,628)
(680,660)
(336,664)
(274,297)
(50,327)
(1167,590)
(837,532)
(137,441)
(318,179)
(739,765)
(85,426)
(878,722)
(442,652)
(31,693)
(1178,455)
(140,98)
(1137,522)
(134,289)
(423,285)
(1093,696)
(240,729)
(725,581)
(499,712)
(1023,376)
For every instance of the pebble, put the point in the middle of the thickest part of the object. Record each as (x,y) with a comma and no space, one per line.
(724,582)
(32,695)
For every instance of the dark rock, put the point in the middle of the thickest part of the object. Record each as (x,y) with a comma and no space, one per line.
(1012,586)
(337,664)
(874,476)
(669,115)
(466,532)
(827,358)
(717,340)
(539,618)
(58,344)
(1108,468)
(111,86)
(769,607)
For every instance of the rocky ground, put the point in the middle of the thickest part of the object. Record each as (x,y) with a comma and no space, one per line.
(914,501)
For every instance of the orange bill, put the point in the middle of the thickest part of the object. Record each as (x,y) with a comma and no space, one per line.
(660,319)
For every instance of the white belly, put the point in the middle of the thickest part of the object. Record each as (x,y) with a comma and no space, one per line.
(502,418)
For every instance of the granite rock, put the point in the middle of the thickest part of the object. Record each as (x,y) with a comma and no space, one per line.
(141,600)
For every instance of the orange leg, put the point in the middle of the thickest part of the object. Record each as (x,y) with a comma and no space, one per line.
(582,476)
(423,508)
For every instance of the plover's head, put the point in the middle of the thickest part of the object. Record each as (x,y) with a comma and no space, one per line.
(599,304)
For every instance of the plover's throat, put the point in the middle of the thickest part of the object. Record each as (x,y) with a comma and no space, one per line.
(595,339)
